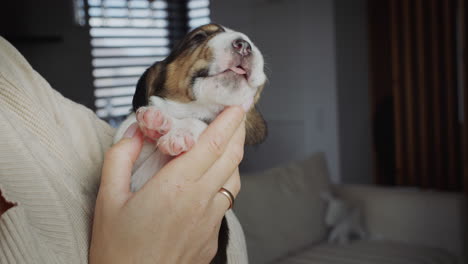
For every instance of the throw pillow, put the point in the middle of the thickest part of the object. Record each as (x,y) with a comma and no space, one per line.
(281,210)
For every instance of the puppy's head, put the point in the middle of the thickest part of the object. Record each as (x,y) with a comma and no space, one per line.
(212,65)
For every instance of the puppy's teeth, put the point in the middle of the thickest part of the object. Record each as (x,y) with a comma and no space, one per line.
(237,70)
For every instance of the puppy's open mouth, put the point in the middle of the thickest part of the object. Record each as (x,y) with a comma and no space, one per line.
(239,70)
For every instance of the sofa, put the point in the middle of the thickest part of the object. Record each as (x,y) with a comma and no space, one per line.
(282,211)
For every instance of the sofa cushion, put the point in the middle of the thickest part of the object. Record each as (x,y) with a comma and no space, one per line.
(370,252)
(424,217)
(281,209)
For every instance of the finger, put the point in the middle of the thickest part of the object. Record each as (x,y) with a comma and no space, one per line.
(210,145)
(221,202)
(118,164)
(227,164)
(233,184)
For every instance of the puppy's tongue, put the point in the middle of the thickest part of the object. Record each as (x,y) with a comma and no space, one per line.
(237,70)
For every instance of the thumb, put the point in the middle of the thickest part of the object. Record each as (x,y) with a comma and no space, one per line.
(118,164)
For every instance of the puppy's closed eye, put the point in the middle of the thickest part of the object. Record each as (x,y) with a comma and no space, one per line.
(199,37)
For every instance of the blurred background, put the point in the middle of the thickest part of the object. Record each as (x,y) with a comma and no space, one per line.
(379,87)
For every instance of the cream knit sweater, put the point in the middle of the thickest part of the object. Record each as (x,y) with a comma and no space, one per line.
(51,151)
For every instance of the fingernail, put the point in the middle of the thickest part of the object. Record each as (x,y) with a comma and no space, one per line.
(131,130)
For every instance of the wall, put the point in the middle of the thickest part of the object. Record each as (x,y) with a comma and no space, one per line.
(353,91)
(45,33)
(300,101)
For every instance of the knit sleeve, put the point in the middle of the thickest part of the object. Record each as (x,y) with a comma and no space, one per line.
(18,241)
(51,153)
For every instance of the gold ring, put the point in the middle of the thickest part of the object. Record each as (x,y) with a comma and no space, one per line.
(229,196)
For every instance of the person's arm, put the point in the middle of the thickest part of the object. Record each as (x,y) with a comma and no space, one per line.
(176,216)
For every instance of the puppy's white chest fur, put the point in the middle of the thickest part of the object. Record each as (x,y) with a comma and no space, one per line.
(194,109)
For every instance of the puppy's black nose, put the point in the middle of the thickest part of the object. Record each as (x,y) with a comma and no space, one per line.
(242,47)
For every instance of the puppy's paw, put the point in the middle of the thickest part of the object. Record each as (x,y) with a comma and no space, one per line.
(182,136)
(178,140)
(153,122)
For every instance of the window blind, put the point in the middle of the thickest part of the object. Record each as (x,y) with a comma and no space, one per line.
(198,13)
(127,36)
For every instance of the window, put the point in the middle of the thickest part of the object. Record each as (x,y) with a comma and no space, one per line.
(198,13)
(127,36)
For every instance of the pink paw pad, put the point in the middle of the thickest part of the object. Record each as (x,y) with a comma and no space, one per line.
(153,123)
(174,144)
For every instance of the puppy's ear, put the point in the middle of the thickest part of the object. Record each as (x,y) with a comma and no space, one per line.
(152,82)
(256,128)
(140,98)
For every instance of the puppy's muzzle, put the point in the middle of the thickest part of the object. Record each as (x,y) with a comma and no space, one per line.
(242,47)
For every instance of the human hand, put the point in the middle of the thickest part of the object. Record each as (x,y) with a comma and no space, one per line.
(176,216)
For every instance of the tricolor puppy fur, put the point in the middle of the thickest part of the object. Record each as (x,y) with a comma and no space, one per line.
(175,99)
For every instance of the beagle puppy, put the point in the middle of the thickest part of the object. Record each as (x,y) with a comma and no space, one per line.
(175,99)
